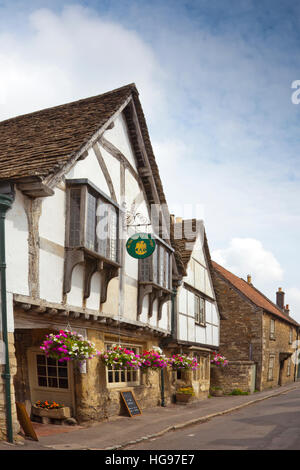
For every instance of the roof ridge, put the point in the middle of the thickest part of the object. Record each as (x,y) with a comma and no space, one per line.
(130,86)
(279,311)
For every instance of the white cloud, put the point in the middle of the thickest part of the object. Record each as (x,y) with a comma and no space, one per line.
(72,55)
(248,256)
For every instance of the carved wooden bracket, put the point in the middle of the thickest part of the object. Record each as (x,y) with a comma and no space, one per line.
(144,289)
(154,292)
(163,299)
(107,274)
(74,256)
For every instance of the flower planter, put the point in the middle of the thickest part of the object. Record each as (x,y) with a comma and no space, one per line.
(59,413)
(183,398)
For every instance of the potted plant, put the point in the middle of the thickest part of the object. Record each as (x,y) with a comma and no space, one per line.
(120,357)
(153,360)
(216,391)
(68,346)
(184,394)
(181,361)
(51,410)
(219,360)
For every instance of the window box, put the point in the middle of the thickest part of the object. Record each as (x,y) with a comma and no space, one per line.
(60,413)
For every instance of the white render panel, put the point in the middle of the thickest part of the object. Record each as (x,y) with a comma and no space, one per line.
(93,301)
(164,321)
(75,296)
(144,314)
(200,334)
(215,335)
(198,252)
(183,300)
(16,239)
(118,136)
(191,330)
(183,327)
(209,337)
(215,316)
(199,277)
(153,318)
(208,311)
(131,266)
(51,277)
(113,166)
(52,220)
(89,168)
(191,304)
(208,285)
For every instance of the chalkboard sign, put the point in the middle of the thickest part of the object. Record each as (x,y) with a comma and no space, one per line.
(131,404)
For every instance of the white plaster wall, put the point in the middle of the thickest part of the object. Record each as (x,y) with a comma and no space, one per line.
(153,318)
(113,166)
(144,314)
(75,296)
(164,322)
(191,329)
(111,306)
(118,136)
(51,277)
(89,168)
(182,300)
(93,301)
(182,328)
(200,334)
(52,220)
(16,239)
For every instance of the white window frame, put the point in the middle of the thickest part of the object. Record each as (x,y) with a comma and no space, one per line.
(272,328)
(126,372)
(271,369)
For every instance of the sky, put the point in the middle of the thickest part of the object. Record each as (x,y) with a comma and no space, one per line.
(215,81)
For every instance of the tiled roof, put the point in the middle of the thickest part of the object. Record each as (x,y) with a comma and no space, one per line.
(39,143)
(252,293)
(185,245)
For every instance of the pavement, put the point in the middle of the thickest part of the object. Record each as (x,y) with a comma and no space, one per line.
(121,431)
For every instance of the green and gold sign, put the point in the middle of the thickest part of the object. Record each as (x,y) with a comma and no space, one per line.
(140,245)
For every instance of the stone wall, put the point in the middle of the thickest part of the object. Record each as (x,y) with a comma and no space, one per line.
(236,375)
(277,347)
(241,326)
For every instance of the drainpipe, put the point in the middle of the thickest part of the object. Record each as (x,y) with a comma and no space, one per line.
(5,204)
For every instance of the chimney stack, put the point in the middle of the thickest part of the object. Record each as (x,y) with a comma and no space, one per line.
(287,309)
(280,298)
(249,279)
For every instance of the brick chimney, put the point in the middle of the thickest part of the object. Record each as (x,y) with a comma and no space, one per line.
(280,298)
(287,309)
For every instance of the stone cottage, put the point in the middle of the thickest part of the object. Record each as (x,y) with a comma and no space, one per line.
(258,337)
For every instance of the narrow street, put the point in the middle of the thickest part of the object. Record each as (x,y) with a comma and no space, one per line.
(272,424)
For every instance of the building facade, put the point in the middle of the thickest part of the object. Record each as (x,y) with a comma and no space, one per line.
(258,337)
(83,176)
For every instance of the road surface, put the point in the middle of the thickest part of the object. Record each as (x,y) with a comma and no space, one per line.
(272,424)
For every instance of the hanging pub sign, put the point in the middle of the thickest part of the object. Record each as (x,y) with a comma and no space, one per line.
(140,245)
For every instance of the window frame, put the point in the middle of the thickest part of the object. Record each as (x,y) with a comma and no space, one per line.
(289,366)
(291,335)
(271,357)
(272,330)
(125,384)
(87,188)
(158,273)
(200,318)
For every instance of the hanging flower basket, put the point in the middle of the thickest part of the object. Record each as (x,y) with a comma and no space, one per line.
(68,346)
(153,360)
(122,358)
(219,360)
(181,361)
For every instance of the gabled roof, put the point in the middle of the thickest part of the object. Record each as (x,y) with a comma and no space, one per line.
(185,245)
(253,294)
(40,143)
